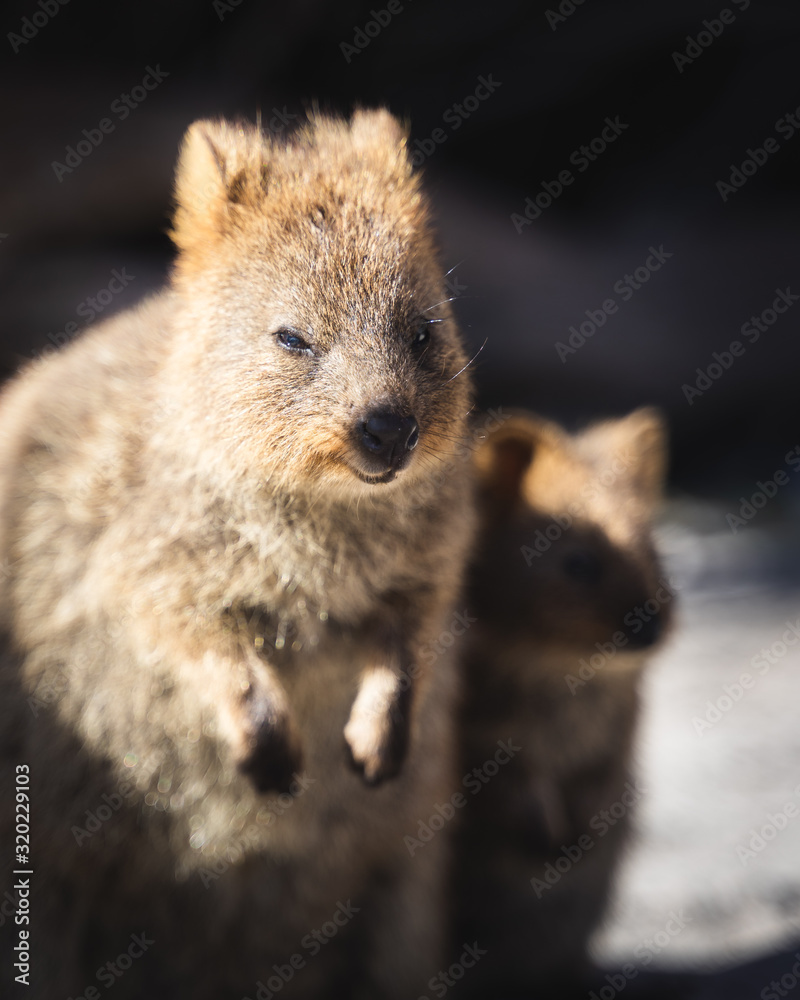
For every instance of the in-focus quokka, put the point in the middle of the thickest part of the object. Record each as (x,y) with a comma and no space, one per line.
(569,601)
(222,558)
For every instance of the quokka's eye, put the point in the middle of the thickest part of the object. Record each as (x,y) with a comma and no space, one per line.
(583,566)
(422,334)
(293,342)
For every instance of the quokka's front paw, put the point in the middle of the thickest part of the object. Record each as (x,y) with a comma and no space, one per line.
(266,747)
(273,761)
(377,731)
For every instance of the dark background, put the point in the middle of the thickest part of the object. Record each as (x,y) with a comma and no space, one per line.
(518,292)
(654,185)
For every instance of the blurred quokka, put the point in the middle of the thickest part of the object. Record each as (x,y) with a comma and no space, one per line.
(222,557)
(569,602)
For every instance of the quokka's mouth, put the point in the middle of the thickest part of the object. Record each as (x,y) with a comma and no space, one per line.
(373,479)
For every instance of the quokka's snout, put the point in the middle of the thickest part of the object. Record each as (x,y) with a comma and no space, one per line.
(399,402)
(389,438)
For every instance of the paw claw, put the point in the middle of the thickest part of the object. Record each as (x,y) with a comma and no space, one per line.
(273,761)
(376,735)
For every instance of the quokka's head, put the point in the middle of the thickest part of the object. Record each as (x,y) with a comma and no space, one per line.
(318,325)
(566,558)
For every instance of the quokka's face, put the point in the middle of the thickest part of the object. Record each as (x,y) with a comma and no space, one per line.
(326,327)
(567,558)
(574,587)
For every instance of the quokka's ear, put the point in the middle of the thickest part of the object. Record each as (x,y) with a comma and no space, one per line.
(374,135)
(503,460)
(220,165)
(639,442)
(377,127)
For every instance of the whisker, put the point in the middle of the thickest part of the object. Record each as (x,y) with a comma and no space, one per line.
(448,273)
(437,453)
(449,437)
(474,356)
(451,299)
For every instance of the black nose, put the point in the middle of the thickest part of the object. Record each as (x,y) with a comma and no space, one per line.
(648,634)
(389,436)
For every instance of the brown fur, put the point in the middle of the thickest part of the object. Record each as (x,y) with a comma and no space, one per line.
(205,580)
(542,602)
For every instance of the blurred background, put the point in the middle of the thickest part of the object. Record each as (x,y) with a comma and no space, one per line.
(617,187)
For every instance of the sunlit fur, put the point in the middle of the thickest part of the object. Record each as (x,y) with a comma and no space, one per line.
(537,618)
(184,522)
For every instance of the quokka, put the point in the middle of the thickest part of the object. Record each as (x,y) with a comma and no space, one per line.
(570,602)
(222,556)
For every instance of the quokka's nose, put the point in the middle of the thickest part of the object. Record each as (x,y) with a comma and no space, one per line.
(648,634)
(389,436)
